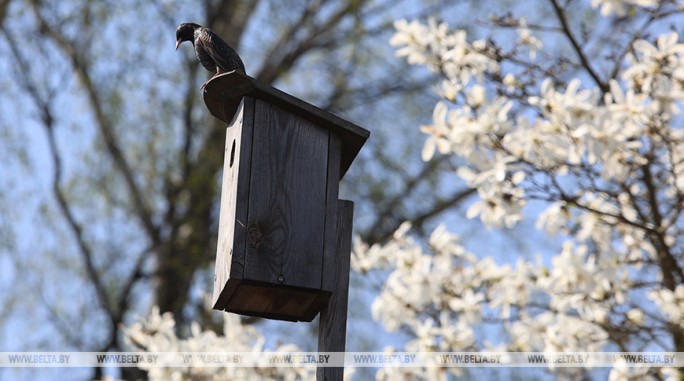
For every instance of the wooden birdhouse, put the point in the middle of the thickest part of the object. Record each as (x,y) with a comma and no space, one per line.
(284,158)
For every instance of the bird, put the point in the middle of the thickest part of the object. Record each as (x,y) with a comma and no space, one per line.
(212,52)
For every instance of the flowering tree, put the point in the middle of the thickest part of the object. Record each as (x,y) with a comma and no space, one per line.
(593,141)
(597,142)
(156,333)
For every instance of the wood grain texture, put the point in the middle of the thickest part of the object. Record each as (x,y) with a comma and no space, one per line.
(230,250)
(282,303)
(286,227)
(224,91)
(242,195)
(229,190)
(284,238)
(331,205)
(332,329)
(279,199)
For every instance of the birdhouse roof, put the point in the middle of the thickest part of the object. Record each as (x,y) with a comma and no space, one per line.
(223,94)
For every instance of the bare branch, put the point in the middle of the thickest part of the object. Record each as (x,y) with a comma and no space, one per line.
(560,14)
(47,119)
(81,69)
(288,50)
(668,263)
(384,228)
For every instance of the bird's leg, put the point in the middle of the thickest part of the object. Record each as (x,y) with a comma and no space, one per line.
(218,71)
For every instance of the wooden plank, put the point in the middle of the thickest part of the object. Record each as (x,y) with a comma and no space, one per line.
(332,329)
(332,193)
(229,185)
(229,87)
(242,196)
(267,301)
(285,231)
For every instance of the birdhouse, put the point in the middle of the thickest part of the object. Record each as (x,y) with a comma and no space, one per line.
(284,159)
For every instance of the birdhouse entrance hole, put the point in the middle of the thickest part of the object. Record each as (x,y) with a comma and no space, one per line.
(232,154)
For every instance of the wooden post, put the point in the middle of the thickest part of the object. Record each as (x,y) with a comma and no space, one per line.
(332,329)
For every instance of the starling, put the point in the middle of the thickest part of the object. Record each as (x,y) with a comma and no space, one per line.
(214,53)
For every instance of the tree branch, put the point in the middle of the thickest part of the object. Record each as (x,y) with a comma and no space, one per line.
(47,119)
(668,264)
(384,229)
(80,68)
(560,14)
(288,49)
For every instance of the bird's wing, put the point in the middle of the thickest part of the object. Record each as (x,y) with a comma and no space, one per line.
(225,57)
(203,56)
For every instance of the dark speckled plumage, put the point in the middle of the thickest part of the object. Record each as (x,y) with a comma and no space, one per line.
(214,53)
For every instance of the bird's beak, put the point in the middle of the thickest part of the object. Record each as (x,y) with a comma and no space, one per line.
(178,42)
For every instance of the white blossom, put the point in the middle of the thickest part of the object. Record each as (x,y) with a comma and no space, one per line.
(525,38)
(602,162)
(469,305)
(155,333)
(622,372)
(671,303)
(619,7)
(605,161)
(439,49)
(636,316)
(657,71)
